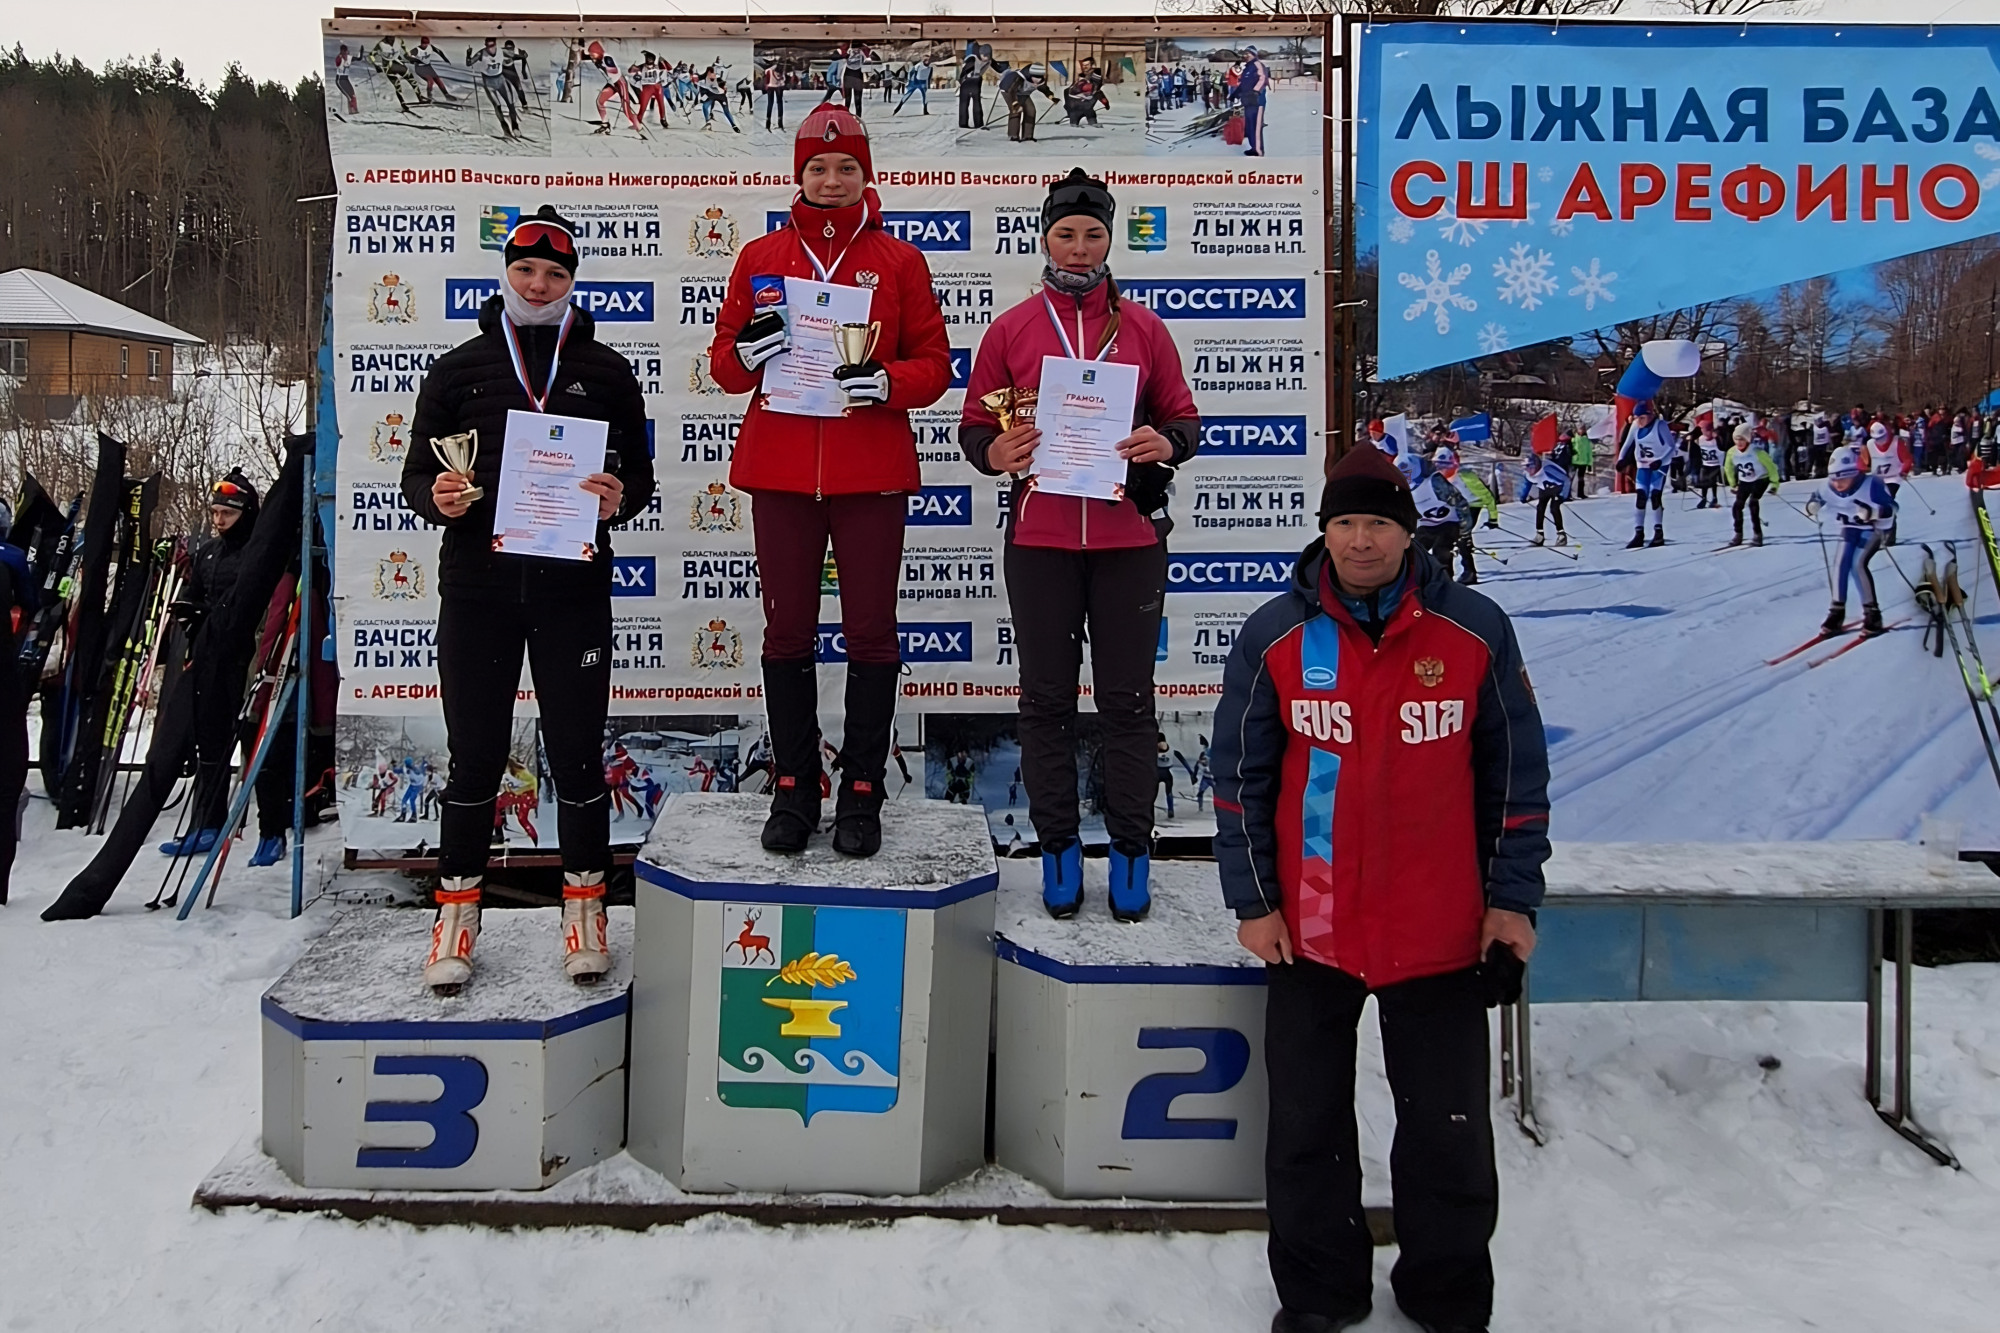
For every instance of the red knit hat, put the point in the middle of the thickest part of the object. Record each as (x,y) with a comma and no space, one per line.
(831,128)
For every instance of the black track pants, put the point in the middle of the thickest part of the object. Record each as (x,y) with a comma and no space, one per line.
(568,645)
(1750,494)
(1440,539)
(1447,1193)
(1053,593)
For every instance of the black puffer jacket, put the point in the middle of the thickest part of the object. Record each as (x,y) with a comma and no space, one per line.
(472,387)
(213,565)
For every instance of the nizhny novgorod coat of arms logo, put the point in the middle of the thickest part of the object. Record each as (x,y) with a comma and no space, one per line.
(811,1017)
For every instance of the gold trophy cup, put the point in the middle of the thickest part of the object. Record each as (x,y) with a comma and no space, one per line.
(1001,404)
(857,342)
(457,453)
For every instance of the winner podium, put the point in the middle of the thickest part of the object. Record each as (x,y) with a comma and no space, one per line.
(813,1022)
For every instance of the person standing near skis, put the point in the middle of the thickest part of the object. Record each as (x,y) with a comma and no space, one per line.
(1477,493)
(1864,509)
(535,352)
(212,570)
(846,478)
(1750,468)
(1084,571)
(1650,449)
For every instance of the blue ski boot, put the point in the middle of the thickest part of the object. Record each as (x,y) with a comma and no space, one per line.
(190,844)
(270,851)
(1062,878)
(1131,863)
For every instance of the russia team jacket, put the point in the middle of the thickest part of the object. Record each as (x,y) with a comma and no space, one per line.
(1383,796)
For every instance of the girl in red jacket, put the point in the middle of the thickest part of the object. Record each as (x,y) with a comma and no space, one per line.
(1070,560)
(845,477)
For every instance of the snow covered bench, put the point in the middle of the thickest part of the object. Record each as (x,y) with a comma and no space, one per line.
(812,1022)
(371,1080)
(1128,1059)
(1739,921)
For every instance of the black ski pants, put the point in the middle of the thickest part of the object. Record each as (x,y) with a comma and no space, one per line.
(1548,499)
(1447,1191)
(971,106)
(1054,594)
(568,646)
(1441,540)
(1750,495)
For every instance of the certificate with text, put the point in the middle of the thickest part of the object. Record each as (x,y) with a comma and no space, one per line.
(800,381)
(541,507)
(1085,408)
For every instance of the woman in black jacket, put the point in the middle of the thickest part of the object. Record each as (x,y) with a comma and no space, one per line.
(535,353)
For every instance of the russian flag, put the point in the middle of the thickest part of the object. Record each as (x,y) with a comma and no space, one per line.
(1658,361)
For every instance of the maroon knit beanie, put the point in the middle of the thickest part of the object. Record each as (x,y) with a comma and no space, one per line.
(1365,481)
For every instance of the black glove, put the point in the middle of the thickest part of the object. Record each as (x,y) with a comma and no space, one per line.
(762,338)
(1501,974)
(865,383)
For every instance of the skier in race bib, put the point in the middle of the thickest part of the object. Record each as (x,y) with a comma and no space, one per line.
(846,477)
(1548,486)
(1477,493)
(343,78)
(1888,458)
(425,58)
(1751,471)
(1864,509)
(535,352)
(388,58)
(490,64)
(1085,570)
(1650,449)
(1443,513)
(1709,449)
(614,86)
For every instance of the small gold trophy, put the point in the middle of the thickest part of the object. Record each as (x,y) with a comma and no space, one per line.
(857,342)
(1001,404)
(457,453)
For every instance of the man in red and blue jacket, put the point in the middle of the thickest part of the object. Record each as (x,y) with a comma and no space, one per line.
(1381,822)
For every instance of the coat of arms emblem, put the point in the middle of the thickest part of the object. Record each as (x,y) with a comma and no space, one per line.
(399,578)
(712,235)
(716,647)
(389,442)
(716,509)
(1430,671)
(392,301)
(811,1013)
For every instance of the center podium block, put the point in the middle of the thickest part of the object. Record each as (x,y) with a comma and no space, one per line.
(811,1023)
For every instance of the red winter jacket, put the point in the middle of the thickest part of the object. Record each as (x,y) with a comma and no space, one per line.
(870,450)
(1383,794)
(1010,355)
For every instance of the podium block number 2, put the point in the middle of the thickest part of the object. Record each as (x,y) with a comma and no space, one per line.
(1226,1055)
(454,1133)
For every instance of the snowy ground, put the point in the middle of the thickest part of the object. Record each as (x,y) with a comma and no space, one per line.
(1685,1188)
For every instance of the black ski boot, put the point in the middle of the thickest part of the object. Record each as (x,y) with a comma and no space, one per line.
(1659,537)
(1871,619)
(791,710)
(1836,620)
(1638,539)
(864,756)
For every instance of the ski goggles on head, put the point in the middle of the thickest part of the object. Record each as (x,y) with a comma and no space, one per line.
(528,235)
(230,496)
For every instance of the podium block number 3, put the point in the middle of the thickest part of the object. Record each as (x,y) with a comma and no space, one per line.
(1226,1055)
(454,1133)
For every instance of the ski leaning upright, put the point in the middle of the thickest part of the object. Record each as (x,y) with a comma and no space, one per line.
(1940,598)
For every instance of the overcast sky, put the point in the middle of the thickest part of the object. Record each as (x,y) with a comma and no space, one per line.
(279,39)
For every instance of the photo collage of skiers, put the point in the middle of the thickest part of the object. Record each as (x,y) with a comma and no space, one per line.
(1227,263)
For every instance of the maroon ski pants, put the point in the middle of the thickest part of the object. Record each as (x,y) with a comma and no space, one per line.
(791,533)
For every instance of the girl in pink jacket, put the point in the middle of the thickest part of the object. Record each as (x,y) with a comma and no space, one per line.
(1070,560)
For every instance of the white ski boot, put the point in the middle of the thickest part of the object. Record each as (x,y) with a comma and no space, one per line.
(585,935)
(449,966)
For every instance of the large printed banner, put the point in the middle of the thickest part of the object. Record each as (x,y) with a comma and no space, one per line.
(671,153)
(1522,182)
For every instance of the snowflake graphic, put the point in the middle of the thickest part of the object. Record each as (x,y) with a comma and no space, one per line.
(1493,338)
(1439,290)
(1529,220)
(1466,231)
(1525,276)
(1545,175)
(1401,230)
(1592,286)
(1563,226)
(1991,179)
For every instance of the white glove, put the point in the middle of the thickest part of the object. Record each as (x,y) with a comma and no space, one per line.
(864,384)
(762,338)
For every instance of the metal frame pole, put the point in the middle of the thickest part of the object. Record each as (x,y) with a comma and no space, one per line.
(305,646)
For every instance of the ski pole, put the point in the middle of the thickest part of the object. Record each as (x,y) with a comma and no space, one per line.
(1831,590)
(1911,487)
(239,806)
(1588,524)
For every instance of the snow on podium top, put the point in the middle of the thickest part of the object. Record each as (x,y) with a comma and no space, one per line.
(711,838)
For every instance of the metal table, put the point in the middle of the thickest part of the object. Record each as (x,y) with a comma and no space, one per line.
(1739,921)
